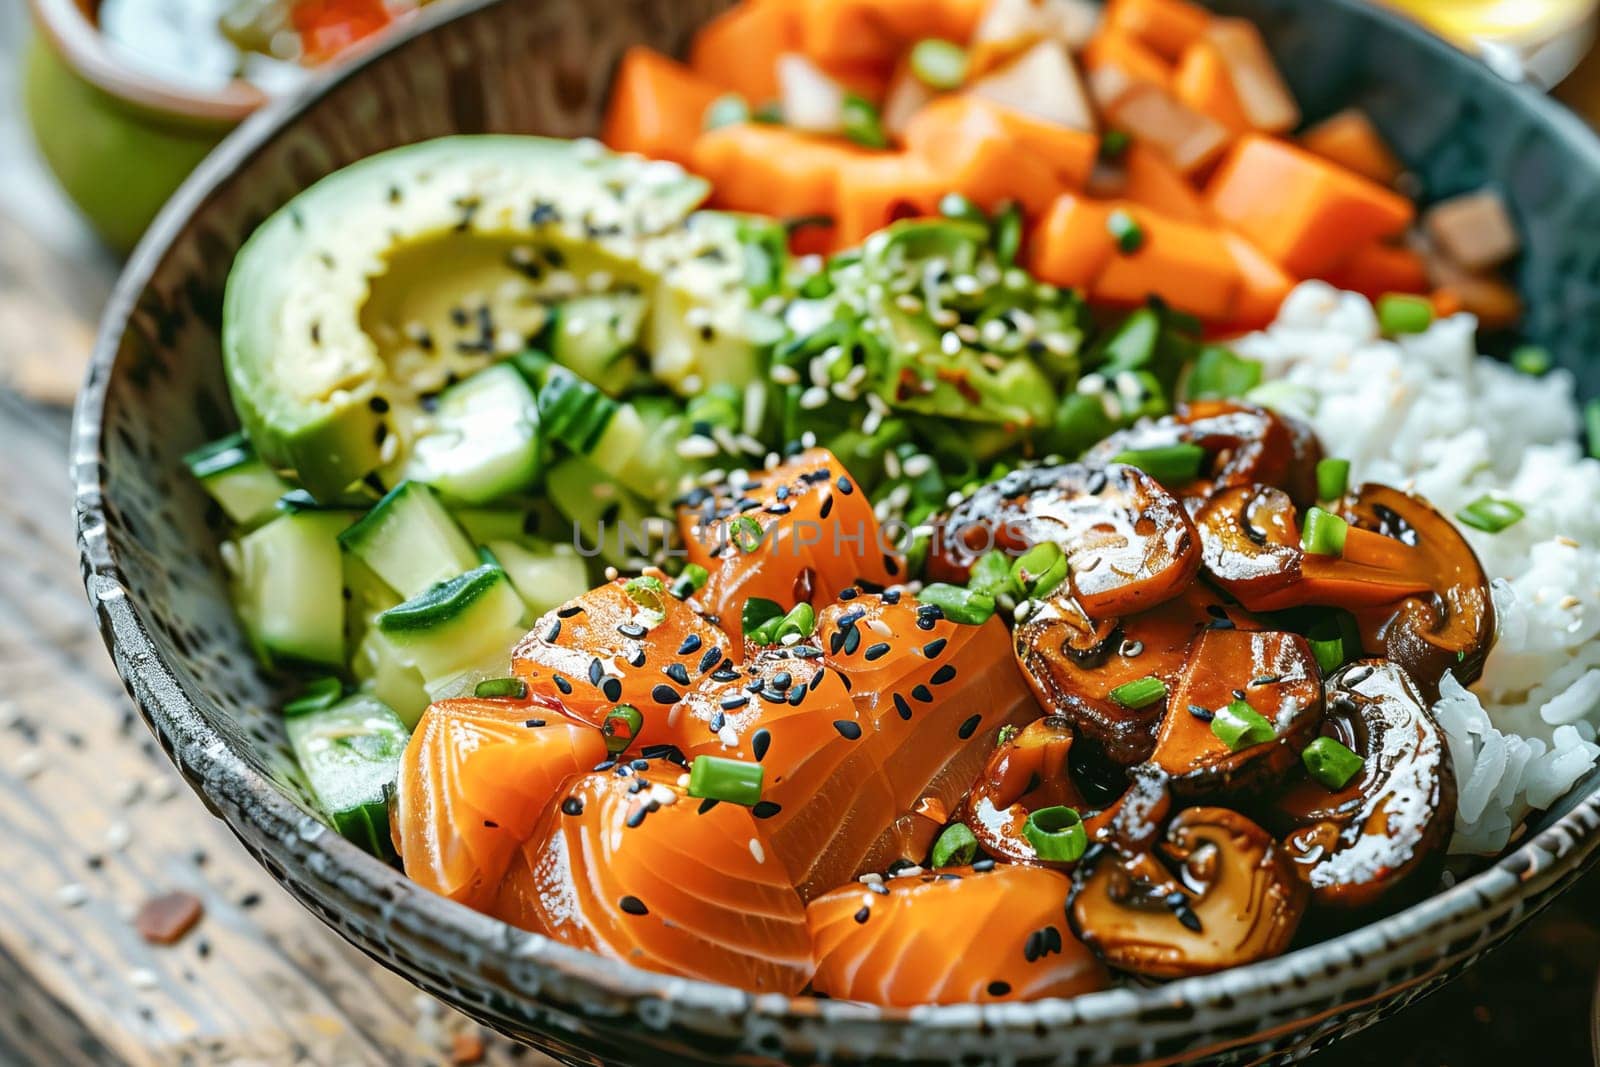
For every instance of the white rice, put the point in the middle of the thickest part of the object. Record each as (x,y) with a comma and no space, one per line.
(1428,413)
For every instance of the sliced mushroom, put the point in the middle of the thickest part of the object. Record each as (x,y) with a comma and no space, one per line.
(1245,445)
(1074,663)
(1451,627)
(1386,829)
(1024,774)
(1129,543)
(1275,674)
(1215,892)
(1409,576)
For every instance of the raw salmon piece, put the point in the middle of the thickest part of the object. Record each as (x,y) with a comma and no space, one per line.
(799,532)
(825,798)
(937,692)
(955,937)
(607,648)
(627,865)
(474,778)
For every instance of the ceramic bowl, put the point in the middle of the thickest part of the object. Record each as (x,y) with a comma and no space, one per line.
(148,538)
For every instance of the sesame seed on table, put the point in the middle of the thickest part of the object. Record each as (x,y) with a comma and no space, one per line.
(105,854)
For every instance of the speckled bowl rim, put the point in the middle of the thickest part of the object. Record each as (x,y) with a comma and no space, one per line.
(1557,852)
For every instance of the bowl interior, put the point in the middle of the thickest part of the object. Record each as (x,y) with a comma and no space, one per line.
(156,389)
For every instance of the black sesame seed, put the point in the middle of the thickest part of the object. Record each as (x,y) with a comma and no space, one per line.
(717,721)
(797,695)
(665,694)
(844,485)
(706,805)
(852,641)
(633,906)
(712,657)
(1203,714)
(922,694)
(572,806)
(533,724)
(636,816)
(999,989)
(765,809)
(678,673)
(562,684)
(612,689)
(943,674)
(848,594)
(571,609)
(902,707)
(892,597)
(554,631)
(969,727)
(985,864)
(1033,947)
(863,915)
(934,647)
(827,508)
(632,629)
(760,741)
(637,659)
(877,651)
(734,702)
(848,730)
(596,672)
(690,646)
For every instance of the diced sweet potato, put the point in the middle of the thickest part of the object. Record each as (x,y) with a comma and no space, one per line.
(1166,27)
(1189,139)
(1258,86)
(1351,140)
(1474,230)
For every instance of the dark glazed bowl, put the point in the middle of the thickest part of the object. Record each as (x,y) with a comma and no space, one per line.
(150,563)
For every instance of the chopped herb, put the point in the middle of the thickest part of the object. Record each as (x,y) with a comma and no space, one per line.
(1170,465)
(514,688)
(1239,726)
(1323,533)
(1125,229)
(939,64)
(1402,313)
(1333,478)
(1139,693)
(1490,514)
(716,778)
(1331,763)
(955,847)
(1056,833)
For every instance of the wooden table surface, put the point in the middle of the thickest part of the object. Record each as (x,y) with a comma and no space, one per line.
(94,821)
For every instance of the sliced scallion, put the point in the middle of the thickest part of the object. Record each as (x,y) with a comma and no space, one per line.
(1323,533)
(1126,231)
(621,727)
(955,847)
(1170,464)
(1334,640)
(992,575)
(1402,313)
(1333,478)
(690,582)
(746,532)
(939,64)
(514,688)
(1490,514)
(1591,426)
(967,606)
(648,592)
(1040,569)
(1532,360)
(759,612)
(1139,693)
(726,110)
(862,122)
(801,621)
(319,695)
(1239,726)
(1219,374)
(961,208)
(1331,763)
(1007,233)
(1056,834)
(735,781)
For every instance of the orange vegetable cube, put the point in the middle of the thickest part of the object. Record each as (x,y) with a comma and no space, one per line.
(974,146)
(1071,243)
(1202,82)
(771,169)
(1264,99)
(1110,49)
(1375,269)
(1352,141)
(739,49)
(877,190)
(1190,139)
(1150,179)
(1187,265)
(1262,284)
(1304,212)
(657,106)
(1166,27)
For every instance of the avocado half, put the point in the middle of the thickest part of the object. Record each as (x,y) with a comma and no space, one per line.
(395,277)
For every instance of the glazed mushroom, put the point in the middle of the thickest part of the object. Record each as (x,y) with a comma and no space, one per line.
(1026,773)
(1080,668)
(1385,829)
(1215,891)
(1243,708)
(1129,543)
(1243,444)
(1409,576)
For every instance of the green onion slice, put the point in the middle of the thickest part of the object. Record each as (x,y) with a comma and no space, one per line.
(1490,514)
(1219,374)
(621,727)
(800,622)
(1333,478)
(992,575)
(1334,640)
(963,209)
(1239,726)
(716,778)
(746,532)
(1139,693)
(1170,465)
(1056,833)
(515,688)
(1040,569)
(648,592)
(1125,229)
(1331,763)
(1323,534)
(939,64)
(955,847)
(966,606)
(758,612)
(862,122)
(1401,313)
(1008,233)
(1532,360)
(690,582)
(318,695)
(726,110)
(1591,426)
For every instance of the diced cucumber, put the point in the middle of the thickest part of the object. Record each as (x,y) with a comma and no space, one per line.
(546,576)
(596,337)
(573,412)
(289,586)
(655,469)
(485,440)
(350,754)
(589,499)
(383,671)
(457,625)
(532,523)
(614,436)
(237,479)
(618,446)
(410,541)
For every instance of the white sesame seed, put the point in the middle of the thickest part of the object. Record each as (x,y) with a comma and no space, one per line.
(873,419)
(808,439)
(784,374)
(950,344)
(724,437)
(918,465)
(728,737)
(692,384)
(144,979)
(845,391)
(814,397)
(907,872)
(908,303)
(750,445)
(696,446)
(662,795)
(871,878)
(878,626)
(118,834)
(757,851)
(72,895)
(29,764)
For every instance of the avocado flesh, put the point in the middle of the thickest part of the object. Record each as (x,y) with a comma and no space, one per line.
(373,287)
